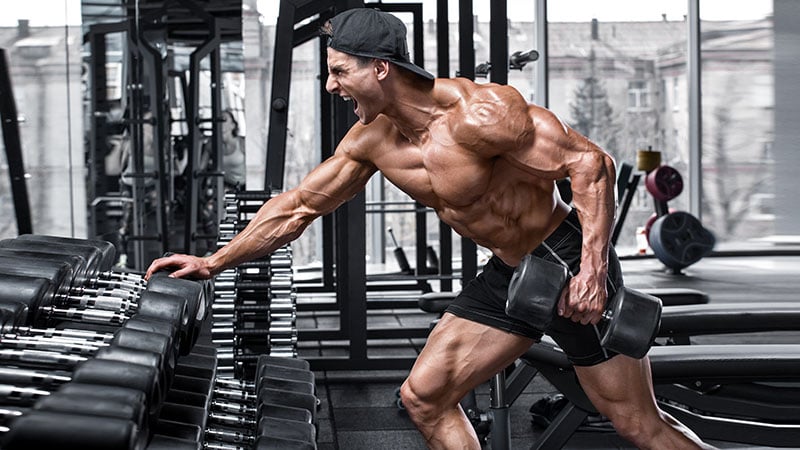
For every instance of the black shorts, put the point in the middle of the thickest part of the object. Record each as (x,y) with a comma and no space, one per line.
(483,300)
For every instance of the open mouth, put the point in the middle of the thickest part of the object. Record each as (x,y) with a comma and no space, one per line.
(353,100)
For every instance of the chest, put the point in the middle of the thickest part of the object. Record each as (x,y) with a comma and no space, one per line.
(439,172)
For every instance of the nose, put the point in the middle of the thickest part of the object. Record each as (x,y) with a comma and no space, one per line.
(331,85)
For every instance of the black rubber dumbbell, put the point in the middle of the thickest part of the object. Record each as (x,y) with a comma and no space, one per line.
(47,429)
(40,301)
(630,321)
(91,400)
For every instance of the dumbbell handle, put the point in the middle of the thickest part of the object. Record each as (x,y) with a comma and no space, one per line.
(232,407)
(222,446)
(104,303)
(103,292)
(41,357)
(232,383)
(229,436)
(16,375)
(231,420)
(65,333)
(17,394)
(86,315)
(132,278)
(7,415)
(234,394)
(48,345)
(58,340)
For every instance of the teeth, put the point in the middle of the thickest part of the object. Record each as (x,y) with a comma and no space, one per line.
(347,99)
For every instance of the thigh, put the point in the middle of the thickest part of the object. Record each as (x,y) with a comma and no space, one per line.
(461,354)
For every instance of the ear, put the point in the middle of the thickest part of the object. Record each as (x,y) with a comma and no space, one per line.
(382,68)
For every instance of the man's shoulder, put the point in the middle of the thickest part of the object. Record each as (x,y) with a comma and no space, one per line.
(364,140)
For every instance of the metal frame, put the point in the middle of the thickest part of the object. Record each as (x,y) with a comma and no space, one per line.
(13,146)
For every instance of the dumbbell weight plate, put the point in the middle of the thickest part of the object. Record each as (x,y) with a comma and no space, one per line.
(664,183)
(286,429)
(632,322)
(534,290)
(679,240)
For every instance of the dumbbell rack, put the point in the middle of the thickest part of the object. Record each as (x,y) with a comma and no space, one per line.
(127,366)
(255,304)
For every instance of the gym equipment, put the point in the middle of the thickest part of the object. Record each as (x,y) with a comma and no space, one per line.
(679,240)
(664,183)
(735,396)
(42,305)
(46,429)
(254,310)
(648,160)
(629,323)
(400,255)
(81,399)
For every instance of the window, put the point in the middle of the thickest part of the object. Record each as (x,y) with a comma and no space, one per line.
(638,96)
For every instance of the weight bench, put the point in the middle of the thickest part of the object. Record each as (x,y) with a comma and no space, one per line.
(731,384)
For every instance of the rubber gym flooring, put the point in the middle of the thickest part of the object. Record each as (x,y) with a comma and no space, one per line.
(358,410)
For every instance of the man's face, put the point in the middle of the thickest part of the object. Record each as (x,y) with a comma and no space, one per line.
(355,82)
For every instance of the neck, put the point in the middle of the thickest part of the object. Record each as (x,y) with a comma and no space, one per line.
(413,107)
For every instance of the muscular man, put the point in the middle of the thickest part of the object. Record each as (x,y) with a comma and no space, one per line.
(486,162)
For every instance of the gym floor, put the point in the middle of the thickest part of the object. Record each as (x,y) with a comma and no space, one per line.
(358,409)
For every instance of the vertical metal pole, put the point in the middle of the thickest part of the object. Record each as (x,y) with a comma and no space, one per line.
(542,79)
(421,219)
(498,41)
(466,52)
(328,144)
(281,80)
(695,112)
(443,71)
(13,146)
(350,223)
(501,421)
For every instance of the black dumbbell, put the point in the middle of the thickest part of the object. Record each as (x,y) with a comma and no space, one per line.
(48,429)
(91,400)
(44,360)
(630,321)
(151,347)
(39,299)
(118,294)
(103,372)
(100,255)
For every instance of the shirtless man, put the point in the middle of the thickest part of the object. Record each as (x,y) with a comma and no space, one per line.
(486,162)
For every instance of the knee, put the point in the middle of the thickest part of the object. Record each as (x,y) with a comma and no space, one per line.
(633,426)
(420,401)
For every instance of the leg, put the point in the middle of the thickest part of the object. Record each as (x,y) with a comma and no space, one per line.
(458,356)
(621,389)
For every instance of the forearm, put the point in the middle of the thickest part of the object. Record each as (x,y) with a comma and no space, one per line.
(593,197)
(278,222)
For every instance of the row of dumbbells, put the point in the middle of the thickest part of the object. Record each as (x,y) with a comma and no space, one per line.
(276,410)
(87,355)
(254,310)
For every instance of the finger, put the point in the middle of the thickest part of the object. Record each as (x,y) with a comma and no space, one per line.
(182,272)
(562,303)
(155,266)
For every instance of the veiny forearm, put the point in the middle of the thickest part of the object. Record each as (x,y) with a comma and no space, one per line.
(279,221)
(593,197)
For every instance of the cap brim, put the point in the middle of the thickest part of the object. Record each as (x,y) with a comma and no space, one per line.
(415,68)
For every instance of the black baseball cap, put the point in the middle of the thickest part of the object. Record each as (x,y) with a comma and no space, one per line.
(373,34)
